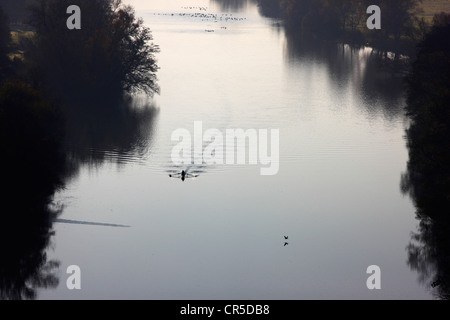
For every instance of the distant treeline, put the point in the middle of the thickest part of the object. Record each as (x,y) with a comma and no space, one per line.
(345,20)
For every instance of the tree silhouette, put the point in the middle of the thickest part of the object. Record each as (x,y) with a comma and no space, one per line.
(427,179)
(112,52)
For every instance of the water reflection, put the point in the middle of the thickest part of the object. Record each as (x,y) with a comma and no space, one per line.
(48,131)
(429,248)
(25,235)
(32,170)
(25,267)
(232,5)
(428,255)
(427,184)
(355,69)
(120,133)
(36,165)
(26,230)
(183,175)
(427,179)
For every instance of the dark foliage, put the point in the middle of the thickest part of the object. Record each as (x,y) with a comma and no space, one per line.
(30,128)
(111,53)
(345,20)
(16,9)
(429,134)
(32,165)
(427,179)
(5,42)
(270,8)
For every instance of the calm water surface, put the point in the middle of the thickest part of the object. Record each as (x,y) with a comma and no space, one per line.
(220,236)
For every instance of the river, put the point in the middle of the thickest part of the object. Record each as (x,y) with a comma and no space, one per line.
(221,235)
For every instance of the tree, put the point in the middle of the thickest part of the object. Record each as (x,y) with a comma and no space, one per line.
(401,29)
(399,17)
(399,25)
(135,58)
(270,8)
(111,53)
(441,19)
(429,91)
(296,10)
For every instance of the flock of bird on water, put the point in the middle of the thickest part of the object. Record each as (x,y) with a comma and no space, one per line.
(205,16)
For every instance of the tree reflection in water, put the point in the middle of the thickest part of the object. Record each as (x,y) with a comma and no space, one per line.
(32,166)
(429,248)
(427,180)
(113,134)
(119,132)
(24,240)
(232,5)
